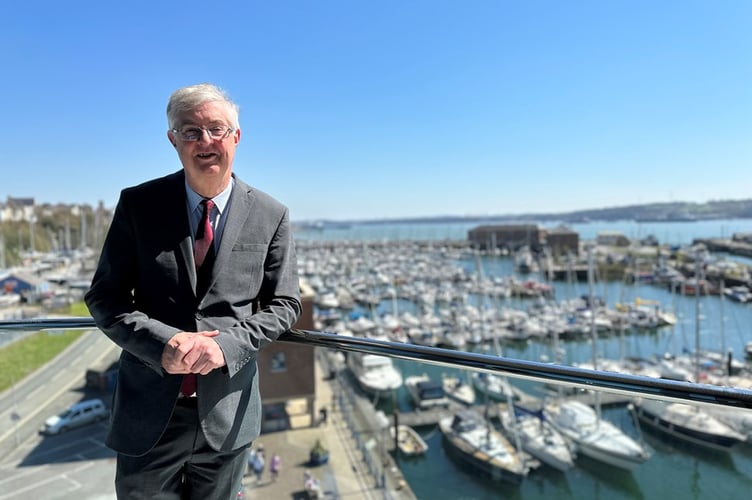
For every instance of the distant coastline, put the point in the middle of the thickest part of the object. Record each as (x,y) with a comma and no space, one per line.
(651,212)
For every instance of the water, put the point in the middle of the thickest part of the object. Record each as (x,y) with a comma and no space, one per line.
(673,233)
(674,470)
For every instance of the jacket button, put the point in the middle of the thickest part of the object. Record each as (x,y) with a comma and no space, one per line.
(199,315)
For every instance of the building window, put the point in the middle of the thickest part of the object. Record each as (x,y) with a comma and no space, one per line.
(279,363)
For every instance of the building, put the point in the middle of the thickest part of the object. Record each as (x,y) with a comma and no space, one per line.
(562,241)
(287,378)
(511,236)
(612,239)
(17,209)
(23,284)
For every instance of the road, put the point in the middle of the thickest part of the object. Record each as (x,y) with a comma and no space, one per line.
(73,465)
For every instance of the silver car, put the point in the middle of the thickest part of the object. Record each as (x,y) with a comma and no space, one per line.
(82,413)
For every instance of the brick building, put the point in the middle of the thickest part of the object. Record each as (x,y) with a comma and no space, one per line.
(512,236)
(562,241)
(287,378)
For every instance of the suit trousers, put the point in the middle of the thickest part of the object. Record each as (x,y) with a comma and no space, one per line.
(181,465)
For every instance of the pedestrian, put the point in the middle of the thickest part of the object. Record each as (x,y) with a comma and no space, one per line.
(197,273)
(322,415)
(258,465)
(274,465)
(251,460)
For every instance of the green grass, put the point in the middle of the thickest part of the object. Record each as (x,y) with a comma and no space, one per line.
(22,357)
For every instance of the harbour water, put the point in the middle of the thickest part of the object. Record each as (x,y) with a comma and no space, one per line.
(674,470)
(674,233)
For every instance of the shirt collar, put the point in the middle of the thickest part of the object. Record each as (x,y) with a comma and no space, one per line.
(221,200)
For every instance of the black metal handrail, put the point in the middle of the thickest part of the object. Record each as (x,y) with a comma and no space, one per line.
(621,383)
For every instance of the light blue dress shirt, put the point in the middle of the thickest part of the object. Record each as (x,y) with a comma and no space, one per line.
(218,215)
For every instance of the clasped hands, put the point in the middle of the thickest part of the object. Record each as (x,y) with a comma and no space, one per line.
(192,352)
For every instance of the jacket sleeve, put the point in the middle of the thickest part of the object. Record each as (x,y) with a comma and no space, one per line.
(278,303)
(110,298)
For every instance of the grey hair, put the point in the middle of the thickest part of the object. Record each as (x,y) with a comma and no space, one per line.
(188,98)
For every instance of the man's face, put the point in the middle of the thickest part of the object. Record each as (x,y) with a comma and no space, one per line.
(207,161)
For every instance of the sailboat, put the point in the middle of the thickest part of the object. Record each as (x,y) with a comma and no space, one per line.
(477,443)
(472,436)
(689,423)
(584,426)
(593,436)
(539,438)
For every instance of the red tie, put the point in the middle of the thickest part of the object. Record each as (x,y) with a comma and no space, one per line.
(204,239)
(204,234)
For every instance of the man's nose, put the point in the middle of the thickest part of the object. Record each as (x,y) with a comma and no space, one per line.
(205,136)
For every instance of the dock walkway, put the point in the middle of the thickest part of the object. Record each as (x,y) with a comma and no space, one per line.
(349,473)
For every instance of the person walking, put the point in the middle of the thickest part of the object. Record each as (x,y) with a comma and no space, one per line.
(258,465)
(251,460)
(197,273)
(275,465)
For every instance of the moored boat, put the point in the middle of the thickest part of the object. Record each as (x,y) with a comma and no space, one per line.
(409,442)
(425,392)
(593,436)
(688,423)
(457,389)
(477,443)
(375,374)
(496,387)
(538,437)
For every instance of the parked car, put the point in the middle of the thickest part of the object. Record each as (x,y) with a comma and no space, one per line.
(82,413)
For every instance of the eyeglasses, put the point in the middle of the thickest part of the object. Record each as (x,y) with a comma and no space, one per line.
(217,133)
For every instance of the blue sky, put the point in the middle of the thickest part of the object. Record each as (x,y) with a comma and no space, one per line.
(381,109)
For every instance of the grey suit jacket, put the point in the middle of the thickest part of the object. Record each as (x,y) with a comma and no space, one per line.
(144,292)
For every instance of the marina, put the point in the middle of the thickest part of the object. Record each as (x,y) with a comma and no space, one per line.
(422,291)
(399,303)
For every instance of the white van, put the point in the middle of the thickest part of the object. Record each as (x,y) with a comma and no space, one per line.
(82,413)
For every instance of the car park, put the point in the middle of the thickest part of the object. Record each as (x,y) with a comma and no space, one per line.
(81,413)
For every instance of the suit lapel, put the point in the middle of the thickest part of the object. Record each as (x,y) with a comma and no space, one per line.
(180,231)
(240,208)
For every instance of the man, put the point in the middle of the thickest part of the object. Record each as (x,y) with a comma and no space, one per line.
(191,289)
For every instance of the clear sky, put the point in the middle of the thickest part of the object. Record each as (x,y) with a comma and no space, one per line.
(356,109)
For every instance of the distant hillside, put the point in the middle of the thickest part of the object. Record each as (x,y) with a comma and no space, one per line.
(651,212)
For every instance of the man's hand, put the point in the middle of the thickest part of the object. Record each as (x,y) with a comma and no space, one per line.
(189,352)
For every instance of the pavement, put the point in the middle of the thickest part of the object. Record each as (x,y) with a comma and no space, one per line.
(345,476)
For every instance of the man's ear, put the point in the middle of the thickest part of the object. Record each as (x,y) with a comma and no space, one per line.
(171,138)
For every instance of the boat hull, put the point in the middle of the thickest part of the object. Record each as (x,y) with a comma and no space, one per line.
(409,441)
(597,439)
(491,461)
(698,437)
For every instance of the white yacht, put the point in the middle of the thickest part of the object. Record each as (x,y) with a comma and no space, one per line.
(426,394)
(595,437)
(375,374)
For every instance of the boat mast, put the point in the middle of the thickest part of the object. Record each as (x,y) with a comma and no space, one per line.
(593,331)
(698,292)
